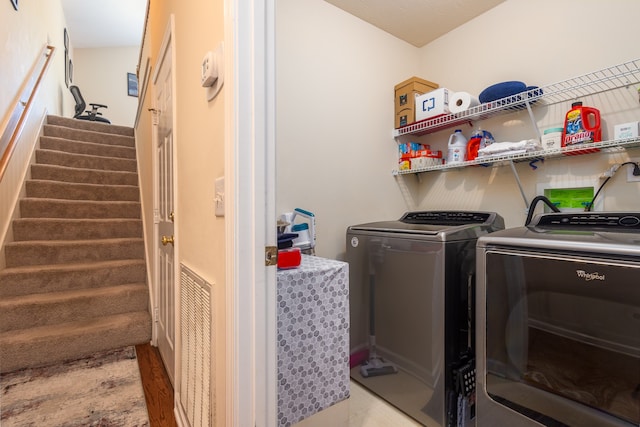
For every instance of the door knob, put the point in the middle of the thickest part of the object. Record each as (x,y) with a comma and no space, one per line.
(166,240)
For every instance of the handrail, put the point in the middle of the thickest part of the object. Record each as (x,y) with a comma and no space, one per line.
(15,124)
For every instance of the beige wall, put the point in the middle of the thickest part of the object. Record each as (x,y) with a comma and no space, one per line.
(506,44)
(335,82)
(23,35)
(334,77)
(199,139)
(101,75)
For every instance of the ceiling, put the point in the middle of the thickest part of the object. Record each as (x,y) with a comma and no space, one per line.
(417,22)
(108,23)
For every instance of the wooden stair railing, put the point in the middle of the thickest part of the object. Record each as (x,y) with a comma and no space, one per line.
(18,114)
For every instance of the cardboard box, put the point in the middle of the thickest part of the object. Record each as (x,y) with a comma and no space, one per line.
(405,94)
(432,104)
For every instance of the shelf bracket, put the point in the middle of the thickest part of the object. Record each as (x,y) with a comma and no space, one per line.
(533,120)
(515,174)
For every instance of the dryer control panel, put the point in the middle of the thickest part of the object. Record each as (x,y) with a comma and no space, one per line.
(611,221)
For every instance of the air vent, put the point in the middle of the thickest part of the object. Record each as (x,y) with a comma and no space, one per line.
(196,391)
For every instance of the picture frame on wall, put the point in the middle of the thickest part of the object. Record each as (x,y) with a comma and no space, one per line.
(14,3)
(132,84)
(66,68)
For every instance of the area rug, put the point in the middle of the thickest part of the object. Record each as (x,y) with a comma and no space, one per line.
(102,390)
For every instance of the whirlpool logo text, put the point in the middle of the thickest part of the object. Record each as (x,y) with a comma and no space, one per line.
(589,276)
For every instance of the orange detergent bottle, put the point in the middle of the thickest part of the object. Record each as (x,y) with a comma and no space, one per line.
(581,126)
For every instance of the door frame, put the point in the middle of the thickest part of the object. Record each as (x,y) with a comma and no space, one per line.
(251,218)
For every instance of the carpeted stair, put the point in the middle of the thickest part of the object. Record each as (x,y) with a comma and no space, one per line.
(75,277)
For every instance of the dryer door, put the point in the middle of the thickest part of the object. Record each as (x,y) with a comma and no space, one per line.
(561,338)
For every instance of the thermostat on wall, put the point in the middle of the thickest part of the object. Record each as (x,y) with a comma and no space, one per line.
(209,70)
(212,71)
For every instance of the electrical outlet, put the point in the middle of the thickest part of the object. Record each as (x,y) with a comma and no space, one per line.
(630,176)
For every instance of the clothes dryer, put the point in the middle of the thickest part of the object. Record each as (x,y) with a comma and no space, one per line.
(558,322)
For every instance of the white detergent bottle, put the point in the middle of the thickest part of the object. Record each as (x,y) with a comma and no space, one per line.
(457,147)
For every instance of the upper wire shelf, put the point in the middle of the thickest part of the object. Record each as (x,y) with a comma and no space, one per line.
(607,79)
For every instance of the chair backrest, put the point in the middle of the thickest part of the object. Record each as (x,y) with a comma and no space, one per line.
(80,104)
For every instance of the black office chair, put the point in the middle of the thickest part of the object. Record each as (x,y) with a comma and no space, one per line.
(93,114)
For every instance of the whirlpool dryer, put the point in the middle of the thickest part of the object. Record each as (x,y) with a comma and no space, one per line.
(558,322)
(411,302)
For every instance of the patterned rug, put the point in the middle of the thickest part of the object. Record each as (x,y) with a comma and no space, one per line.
(102,390)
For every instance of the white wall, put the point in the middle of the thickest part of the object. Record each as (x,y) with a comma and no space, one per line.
(506,43)
(23,34)
(335,77)
(101,75)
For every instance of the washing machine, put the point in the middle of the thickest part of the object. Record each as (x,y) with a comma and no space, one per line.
(411,285)
(558,322)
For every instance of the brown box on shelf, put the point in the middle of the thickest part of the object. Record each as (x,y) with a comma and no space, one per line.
(405,94)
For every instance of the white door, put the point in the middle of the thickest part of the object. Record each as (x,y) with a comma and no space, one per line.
(165,213)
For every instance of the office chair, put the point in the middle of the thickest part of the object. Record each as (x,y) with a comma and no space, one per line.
(93,114)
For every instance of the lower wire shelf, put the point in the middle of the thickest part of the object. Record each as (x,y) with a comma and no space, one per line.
(499,159)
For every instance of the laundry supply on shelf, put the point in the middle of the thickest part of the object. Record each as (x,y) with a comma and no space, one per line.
(504,148)
(581,126)
(457,147)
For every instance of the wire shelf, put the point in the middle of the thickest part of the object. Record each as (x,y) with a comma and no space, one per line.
(607,79)
(497,160)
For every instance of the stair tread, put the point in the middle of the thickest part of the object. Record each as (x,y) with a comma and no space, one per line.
(78,220)
(89,125)
(63,168)
(87,157)
(73,242)
(84,184)
(70,266)
(87,135)
(69,328)
(60,296)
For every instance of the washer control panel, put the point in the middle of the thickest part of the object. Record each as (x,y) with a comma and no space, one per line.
(445,217)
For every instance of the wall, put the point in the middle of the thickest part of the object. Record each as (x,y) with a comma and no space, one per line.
(334,155)
(23,36)
(335,108)
(199,138)
(506,43)
(101,75)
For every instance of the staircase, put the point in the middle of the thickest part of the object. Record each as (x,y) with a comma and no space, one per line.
(75,275)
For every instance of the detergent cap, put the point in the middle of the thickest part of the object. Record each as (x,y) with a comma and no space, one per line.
(576,104)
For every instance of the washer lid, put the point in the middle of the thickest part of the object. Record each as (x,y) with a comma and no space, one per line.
(435,222)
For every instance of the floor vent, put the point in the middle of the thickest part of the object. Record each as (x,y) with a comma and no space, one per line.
(196,396)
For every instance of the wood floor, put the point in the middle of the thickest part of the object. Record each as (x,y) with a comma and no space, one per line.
(158,391)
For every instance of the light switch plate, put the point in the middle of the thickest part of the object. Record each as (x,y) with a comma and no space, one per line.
(219,196)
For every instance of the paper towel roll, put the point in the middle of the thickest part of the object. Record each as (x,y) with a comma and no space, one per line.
(462,101)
